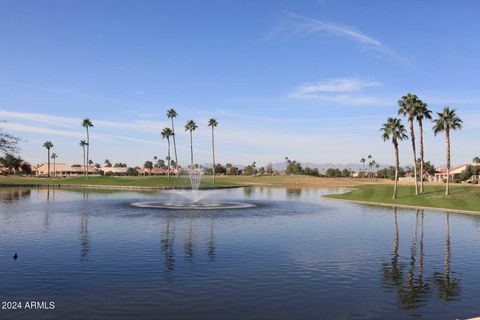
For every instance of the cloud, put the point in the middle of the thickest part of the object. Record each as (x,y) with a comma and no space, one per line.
(300,25)
(149,126)
(338,91)
(337,85)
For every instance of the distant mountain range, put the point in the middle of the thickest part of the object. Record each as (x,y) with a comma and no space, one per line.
(279,166)
(324,166)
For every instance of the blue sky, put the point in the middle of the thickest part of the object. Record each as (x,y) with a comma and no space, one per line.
(312,80)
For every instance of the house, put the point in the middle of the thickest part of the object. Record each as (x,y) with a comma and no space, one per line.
(114,171)
(155,172)
(62,170)
(441,173)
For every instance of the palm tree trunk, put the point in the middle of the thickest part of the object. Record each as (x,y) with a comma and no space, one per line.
(175,149)
(48,174)
(54,168)
(169,162)
(397,168)
(447,136)
(84,172)
(213,153)
(412,136)
(191,150)
(88,152)
(422,161)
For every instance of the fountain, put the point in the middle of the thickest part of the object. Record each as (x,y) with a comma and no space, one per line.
(193,198)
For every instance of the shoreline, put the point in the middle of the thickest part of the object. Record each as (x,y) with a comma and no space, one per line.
(405,206)
(108,187)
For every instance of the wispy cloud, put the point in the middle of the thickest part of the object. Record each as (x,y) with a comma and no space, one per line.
(295,24)
(337,85)
(150,126)
(341,91)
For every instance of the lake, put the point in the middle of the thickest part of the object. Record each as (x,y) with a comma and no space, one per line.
(292,256)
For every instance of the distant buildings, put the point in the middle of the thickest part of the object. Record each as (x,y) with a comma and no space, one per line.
(441,173)
(62,170)
(65,170)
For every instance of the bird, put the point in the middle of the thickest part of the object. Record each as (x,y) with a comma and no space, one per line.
(15,256)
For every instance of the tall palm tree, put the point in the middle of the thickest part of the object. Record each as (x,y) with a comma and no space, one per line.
(423,113)
(395,131)
(84,144)
(191,126)
(445,122)
(171,114)
(166,134)
(48,145)
(213,123)
(87,123)
(54,156)
(408,106)
(362,161)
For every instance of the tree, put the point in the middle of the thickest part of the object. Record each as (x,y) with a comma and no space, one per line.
(166,134)
(148,165)
(408,105)
(476,160)
(213,124)
(445,122)
(11,162)
(362,161)
(48,145)
(54,157)
(8,143)
(395,131)
(422,113)
(191,126)
(269,169)
(87,123)
(107,163)
(171,114)
(84,144)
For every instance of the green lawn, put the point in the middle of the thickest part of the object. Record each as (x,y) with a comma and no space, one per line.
(159,181)
(461,197)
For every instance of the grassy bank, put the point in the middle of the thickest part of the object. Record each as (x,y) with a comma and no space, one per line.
(162,181)
(466,198)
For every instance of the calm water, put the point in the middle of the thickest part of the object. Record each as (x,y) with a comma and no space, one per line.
(294,256)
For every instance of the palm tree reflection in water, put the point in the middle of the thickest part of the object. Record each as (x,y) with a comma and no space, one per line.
(84,243)
(408,281)
(448,287)
(167,241)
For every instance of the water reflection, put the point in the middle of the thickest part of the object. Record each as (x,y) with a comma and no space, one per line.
(407,280)
(293,193)
(16,194)
(448,287)
(166,243)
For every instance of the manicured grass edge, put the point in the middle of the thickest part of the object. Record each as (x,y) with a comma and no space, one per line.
(406,206)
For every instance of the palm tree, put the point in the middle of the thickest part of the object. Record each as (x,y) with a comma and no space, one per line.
(408,106)
(213,123)
(84,144)
(191,126)
(87,123)
(54,156)
(395,131)
(48,145)
(171,113)
(166,134)
(446,121)
(423,113)
(362,161)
